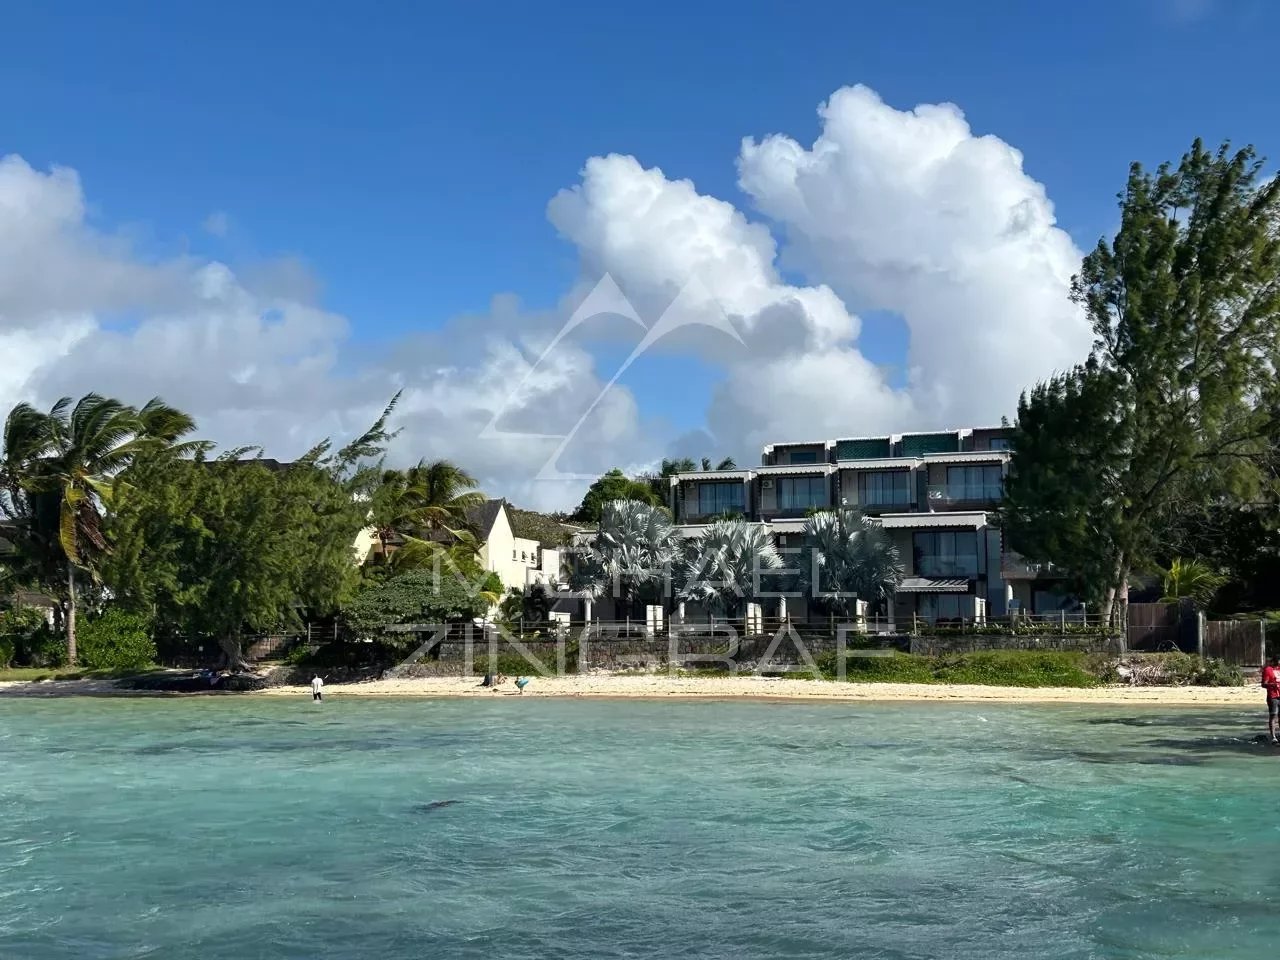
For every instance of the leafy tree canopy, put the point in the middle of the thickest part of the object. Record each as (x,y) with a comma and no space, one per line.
(613,486)
(1178,403)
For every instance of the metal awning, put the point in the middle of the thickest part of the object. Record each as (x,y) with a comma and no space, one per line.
(958,520)
(928,585)
(788,526)
(969,456)
(789,469)
(883,463)
(711,475)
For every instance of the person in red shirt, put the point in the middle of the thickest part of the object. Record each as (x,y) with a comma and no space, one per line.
(1271,680)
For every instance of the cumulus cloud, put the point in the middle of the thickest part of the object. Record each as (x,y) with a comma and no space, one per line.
(902,211)
(909,211)
(257,363)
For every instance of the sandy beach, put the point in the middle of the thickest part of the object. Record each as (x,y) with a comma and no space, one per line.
(661,686)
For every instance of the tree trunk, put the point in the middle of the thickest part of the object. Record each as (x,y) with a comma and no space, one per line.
(71,614)
(1117,591)
(234,657)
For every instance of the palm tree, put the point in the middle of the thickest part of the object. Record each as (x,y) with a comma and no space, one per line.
(1194,579)
(426,500)
(59,473)
(634,549)
(848,558)
(722,568)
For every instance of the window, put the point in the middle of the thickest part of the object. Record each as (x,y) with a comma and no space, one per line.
(717,498)
(945,553)
(885,488)
(978,483)
(1000,443)
(804,456)
(801,493)
(513,554)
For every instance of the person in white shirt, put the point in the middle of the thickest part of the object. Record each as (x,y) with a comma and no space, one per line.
(317,686)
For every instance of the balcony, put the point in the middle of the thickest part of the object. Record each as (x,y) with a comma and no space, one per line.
(964,495)
(949,567)
(1014,566)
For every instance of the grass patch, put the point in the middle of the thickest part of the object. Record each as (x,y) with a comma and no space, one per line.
(1002,668)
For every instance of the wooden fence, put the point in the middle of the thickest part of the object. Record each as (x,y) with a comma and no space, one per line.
(1239,642)
(1154,627)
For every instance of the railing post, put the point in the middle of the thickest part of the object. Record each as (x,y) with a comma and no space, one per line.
(1063,614)
(1199,633)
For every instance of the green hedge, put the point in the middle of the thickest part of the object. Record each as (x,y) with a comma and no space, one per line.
(1004,668)
(115,640)
(1035,668)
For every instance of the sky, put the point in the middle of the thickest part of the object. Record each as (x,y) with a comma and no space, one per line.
(578,236)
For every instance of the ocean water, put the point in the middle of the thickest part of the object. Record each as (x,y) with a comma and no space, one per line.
(245,828)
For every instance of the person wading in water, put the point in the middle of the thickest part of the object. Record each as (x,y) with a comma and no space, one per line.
(1271,680)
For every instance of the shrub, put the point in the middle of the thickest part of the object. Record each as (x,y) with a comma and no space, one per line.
(116,640)
(26,638)
(19,626)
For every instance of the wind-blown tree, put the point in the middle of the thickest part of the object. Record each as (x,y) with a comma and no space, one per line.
(215,549)
(659,483)
(846,557)
(723,568)
(61,471)
(631,554)
(1192,579)
(422,503)
(1185,308)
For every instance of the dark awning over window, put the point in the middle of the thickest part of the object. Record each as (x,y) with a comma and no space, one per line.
(929,585)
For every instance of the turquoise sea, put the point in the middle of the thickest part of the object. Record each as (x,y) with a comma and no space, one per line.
(245,828)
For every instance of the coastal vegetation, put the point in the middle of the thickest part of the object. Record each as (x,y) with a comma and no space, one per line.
(1032,668)
(1175,414)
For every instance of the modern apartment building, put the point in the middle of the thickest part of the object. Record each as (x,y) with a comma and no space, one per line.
(936,494)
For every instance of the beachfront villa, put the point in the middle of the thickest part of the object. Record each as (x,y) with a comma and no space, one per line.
(936,493)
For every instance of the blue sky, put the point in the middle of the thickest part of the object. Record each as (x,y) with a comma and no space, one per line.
(406,153)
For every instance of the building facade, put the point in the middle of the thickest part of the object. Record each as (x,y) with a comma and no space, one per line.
(935,493)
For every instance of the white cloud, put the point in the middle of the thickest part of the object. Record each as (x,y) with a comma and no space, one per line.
(908,211)
(905,211)
(256,363)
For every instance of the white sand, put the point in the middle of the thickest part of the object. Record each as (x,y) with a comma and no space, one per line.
(663,686)
(660,686)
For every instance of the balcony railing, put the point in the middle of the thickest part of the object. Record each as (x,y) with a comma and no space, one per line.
(953,493)
(1016,567)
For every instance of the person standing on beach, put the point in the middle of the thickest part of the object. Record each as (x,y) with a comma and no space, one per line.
(1271,680)
(317,688)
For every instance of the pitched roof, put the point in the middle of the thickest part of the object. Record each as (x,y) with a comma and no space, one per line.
(482,516)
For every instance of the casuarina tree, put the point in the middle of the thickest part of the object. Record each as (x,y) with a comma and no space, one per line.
(1178,402)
